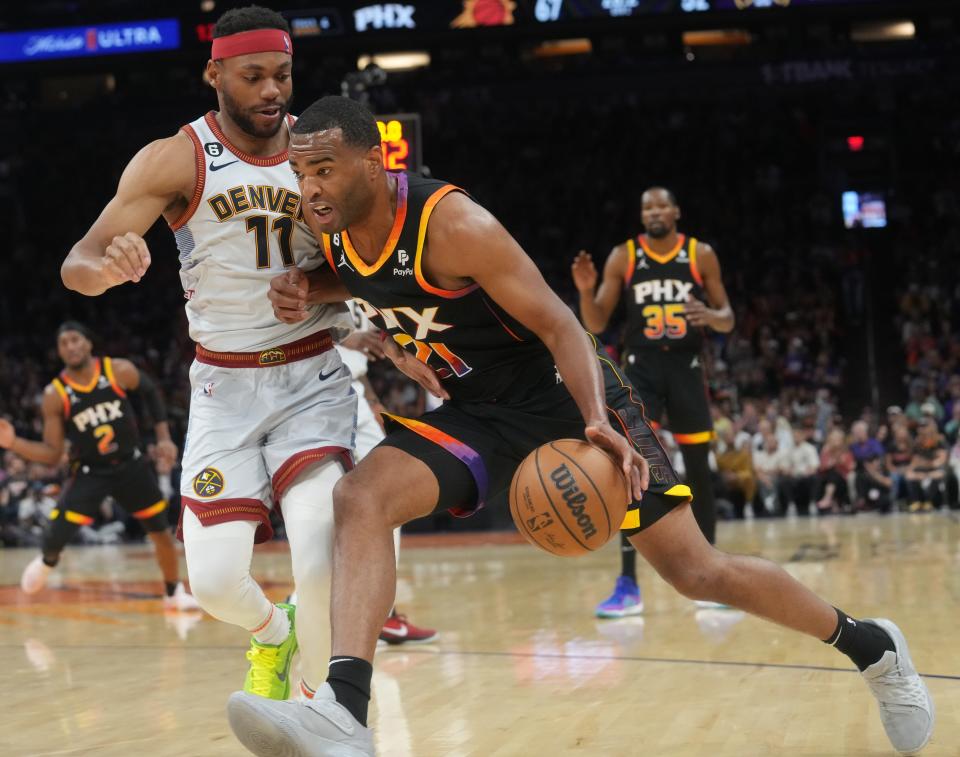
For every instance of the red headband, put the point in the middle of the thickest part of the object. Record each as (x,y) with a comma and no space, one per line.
(256,41)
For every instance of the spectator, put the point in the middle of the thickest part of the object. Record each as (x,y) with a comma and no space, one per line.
(872,485)
(836,464)
(800,467)
(735,468)
(926,475)
(768,463)
(898,458)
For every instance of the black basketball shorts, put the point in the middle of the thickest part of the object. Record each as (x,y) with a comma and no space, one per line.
(474,449)
(132,484)
(672,381)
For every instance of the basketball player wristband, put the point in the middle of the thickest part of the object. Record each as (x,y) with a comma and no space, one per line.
(151,398)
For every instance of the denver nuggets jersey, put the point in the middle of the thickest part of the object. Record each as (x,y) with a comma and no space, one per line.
(656,287)
(244,225)
(98,417)
(479,352)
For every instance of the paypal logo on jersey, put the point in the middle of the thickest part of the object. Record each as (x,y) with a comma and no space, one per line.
(403,258)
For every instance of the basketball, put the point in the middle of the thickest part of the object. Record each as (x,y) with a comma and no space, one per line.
(568,497)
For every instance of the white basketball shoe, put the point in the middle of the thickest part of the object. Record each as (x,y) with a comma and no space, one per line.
(318,727)
(906,708)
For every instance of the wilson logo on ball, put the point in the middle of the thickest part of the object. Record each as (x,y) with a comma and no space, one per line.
(566,484)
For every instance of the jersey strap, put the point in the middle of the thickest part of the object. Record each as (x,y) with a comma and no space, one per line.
(426,286)
(201,178)
(108,372)
(694,271)
(61,390)
(631,262)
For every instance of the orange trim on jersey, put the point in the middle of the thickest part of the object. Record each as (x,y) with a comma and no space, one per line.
(271,160)
(87,387)
(701,437)
(500,320)
(328,252)
(199,181)
(149,512)
(694,271)
(108,372)
(666,257)
(631,262)
(655,425)
(431,203)
(368,270)
(58,386)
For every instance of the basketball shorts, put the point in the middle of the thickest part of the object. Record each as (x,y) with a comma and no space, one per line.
(673,382)
(474,449)
(253,430)
(132,484)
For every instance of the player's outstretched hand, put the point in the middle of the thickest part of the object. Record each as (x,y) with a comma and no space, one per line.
(367,342)
(125,259)
(635,468)
(412,368)
(7,434)
(584,272)
(698,314)
(288,295)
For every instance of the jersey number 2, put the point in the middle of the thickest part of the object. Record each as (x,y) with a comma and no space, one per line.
(104,435)
(283,226)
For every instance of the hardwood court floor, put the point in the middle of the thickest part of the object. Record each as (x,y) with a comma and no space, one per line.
(522,667)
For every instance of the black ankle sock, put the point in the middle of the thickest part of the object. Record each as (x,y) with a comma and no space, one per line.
(628,559)
(349,677)
(170,587)
(861,641)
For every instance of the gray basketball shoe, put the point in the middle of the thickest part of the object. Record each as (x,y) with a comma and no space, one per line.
(906,708)
(319,727)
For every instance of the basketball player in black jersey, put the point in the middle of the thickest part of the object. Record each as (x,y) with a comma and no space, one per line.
(468,314)
(88,405)
(664,276)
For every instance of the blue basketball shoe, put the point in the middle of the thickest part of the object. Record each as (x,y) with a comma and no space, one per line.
(625,600)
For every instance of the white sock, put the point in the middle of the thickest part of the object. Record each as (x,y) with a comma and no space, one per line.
(275,629)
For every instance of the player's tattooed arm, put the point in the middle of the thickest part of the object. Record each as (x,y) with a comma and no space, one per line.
(48,451)
(466,243)
(155,183)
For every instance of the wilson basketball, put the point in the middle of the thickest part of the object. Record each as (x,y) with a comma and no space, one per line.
(568,497)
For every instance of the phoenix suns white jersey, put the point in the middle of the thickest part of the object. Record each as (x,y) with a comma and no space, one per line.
(244,225)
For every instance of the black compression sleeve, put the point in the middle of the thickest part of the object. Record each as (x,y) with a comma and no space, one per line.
(151,398)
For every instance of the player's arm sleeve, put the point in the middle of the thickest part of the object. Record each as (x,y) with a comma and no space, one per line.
(149,394)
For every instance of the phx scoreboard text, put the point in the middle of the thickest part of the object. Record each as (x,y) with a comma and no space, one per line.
(400,141)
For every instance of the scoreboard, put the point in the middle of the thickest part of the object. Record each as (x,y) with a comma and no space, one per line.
(400,141)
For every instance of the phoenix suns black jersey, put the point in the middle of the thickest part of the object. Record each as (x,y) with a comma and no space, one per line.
(98,418)
(479,352)
(657,286)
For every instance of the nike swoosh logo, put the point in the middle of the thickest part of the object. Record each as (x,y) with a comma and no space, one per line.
(324,376)
(215,167)
(401,633)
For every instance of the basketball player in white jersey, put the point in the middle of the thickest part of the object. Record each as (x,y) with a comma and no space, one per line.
(272,413)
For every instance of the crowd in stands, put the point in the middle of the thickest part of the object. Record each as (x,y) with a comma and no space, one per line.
(562,165)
